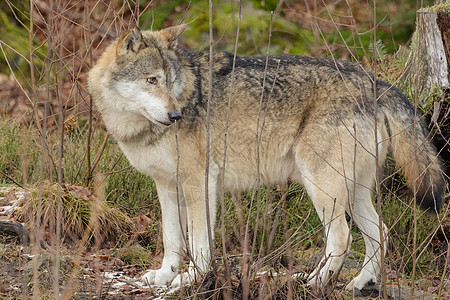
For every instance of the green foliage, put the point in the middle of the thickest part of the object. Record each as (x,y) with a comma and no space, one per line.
(269,5)
(124,185)
(396,29)
(393,28)
(15,47)
(254,29)
(379,48)
(287,36)
(152,19)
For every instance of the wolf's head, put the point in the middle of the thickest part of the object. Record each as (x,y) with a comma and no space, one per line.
(139,73)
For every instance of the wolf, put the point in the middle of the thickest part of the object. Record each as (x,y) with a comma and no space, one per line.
(324,123)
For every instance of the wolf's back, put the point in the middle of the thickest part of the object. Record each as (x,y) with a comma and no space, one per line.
(413,151)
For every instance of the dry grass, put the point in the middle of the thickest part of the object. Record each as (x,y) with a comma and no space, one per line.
(78,206)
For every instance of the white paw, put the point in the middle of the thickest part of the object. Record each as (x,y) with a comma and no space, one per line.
(310,280)
(360,281)
(185,278)
(159,277)
(316,279)
(302,277)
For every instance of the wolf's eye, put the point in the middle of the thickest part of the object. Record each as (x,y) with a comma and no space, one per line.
(152,80)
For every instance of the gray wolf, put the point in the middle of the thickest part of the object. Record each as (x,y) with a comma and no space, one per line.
(308,120)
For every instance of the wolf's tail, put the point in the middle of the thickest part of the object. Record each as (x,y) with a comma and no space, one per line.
(413,151)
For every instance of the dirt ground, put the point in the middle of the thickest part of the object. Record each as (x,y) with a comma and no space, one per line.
(101,276)
(90,276)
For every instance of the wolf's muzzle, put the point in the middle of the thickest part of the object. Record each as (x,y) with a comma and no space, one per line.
(174,115)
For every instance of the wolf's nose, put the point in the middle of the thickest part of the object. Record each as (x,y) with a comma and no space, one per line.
(174,115)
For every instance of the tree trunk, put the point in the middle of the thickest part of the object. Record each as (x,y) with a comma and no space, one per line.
(434,47)
(428,66)
(443,22)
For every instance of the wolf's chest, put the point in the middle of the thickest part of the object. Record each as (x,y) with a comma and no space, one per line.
(153,160)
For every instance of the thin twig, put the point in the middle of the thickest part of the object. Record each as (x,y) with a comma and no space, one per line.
(43,162)
(222,196)
(60,173)
(87,39)
(10,178)
(208,131)
(100,152)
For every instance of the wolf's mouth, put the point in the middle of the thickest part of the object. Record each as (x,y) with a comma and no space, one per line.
(147,115)
(167,124)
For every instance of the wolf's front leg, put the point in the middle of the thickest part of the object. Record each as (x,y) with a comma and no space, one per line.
(174,230)
(198,227)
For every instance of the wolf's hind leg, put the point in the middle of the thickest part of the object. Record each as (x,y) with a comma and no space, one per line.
(367,220)
(337,244)
(174,229)
(329,199)
(363,212)
(325,169)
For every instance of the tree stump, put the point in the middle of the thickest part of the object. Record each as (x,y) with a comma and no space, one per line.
(443,22)
(428,65)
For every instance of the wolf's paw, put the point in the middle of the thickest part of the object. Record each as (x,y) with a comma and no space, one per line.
(360,281)
(185,278)
(309,280)
(314,279)
(159,277)
(301,277)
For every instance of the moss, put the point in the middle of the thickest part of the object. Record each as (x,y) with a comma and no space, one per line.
(443,7)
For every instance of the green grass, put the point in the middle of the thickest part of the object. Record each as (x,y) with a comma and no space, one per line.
(11,152)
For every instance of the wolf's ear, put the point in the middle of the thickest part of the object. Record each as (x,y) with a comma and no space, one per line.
(130,42)
(171,34)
